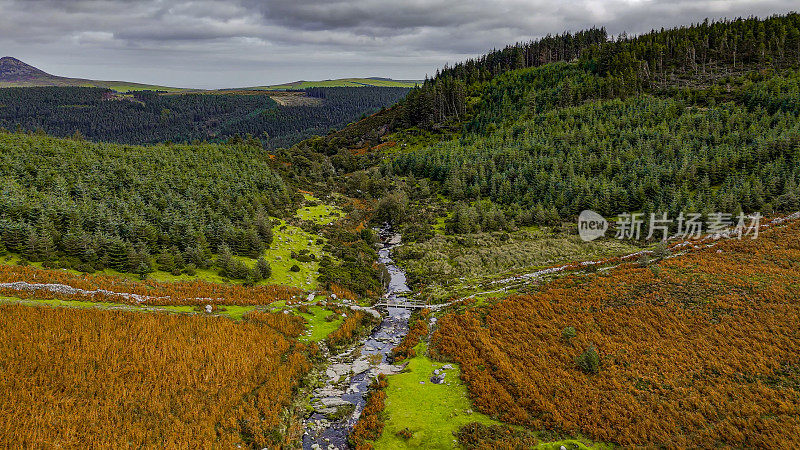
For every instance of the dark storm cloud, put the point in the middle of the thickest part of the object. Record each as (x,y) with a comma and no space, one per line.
(245,42)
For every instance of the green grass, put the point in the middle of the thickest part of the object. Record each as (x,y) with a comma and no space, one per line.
(320,213)
(431,411)
(439,226)
(342,82)
(286,240)
(319,327)
(434,412)
(119,86)
(568,443)
(232,311)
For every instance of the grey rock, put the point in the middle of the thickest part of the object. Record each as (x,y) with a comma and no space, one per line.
(333,402)
(360,366)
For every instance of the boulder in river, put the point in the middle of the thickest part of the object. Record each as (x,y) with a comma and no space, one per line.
(360,366)
(334,402)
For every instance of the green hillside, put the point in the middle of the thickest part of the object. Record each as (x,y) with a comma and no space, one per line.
(344,82)
(518,141)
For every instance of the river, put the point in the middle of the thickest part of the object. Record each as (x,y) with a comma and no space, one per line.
(350,373)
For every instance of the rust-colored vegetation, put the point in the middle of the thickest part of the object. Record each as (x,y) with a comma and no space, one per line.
(370,424)
(110,379)
(343,292)
(355,323)
(417,328)
(697,351)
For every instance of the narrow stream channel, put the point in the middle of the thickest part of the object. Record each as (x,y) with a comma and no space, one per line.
(350,373)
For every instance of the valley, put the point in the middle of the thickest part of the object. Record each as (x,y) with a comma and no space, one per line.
(367,263)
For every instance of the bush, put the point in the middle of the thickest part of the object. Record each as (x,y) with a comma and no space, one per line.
(235,269)
(253,276)
(264,268)
(644,260)
(589,361)
(656,271)
(405,434)
(190,270)
(568,333)
(661,251)
(295,268)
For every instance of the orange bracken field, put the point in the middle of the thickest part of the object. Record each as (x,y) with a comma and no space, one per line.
(702,350)
(70,376)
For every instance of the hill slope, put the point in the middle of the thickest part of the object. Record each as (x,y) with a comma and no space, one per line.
(13,70)
(15,73)
(345,82)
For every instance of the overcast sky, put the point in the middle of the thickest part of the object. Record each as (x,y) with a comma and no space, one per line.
(234,43)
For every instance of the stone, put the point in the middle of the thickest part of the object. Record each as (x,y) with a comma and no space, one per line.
(328,392)
(562,448)
(209,308)
(447,367)
(387,369)
(340,369)
(360,366)
(333,402)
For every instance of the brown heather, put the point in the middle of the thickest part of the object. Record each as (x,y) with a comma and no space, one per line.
(110,379)
(704,352)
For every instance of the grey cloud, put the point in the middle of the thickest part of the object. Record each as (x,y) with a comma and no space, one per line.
(185,42)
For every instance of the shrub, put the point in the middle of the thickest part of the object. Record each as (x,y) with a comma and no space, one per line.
(295,268)
(190,270)
(235,269)
(253,276)
(644,260)
(661,251)
(589,360)
(264,268)
(405,434)
(568,333)
(656,270)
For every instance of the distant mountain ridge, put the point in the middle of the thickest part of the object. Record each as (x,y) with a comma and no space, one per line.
(344,82)
(15,73)
(13,70)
